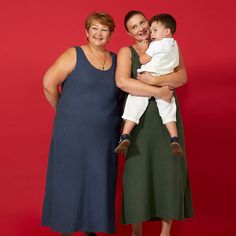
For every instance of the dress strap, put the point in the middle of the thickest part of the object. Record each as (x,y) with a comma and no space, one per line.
(135,62)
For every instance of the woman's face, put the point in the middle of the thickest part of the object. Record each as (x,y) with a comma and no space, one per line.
(138,27)
(98,34)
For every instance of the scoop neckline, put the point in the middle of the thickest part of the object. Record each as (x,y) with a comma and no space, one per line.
(91,65)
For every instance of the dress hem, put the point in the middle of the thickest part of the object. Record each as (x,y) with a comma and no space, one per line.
(55,229)
(155,218)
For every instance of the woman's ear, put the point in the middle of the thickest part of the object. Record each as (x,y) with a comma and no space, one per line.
(86,34)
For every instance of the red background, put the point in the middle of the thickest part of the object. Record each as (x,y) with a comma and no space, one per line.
(34,33)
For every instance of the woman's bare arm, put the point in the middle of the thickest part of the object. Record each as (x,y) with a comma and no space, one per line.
(56,74)
(174,80)
(132,86)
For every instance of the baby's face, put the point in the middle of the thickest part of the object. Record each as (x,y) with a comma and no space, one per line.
(158,31)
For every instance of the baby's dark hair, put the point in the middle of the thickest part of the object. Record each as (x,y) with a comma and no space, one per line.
(167,20)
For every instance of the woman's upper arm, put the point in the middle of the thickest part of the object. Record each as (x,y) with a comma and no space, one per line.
(124,65)
(181,69)
(62,67)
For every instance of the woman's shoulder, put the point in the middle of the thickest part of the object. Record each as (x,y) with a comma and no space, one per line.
(124,52)
(66,60)
(69,54)
(70,51)
(124,49)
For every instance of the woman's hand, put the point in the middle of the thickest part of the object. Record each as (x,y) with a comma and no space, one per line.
(166,93)
(147,78)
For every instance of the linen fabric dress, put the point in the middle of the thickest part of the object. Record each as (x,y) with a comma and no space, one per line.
(155,183)
(82,168)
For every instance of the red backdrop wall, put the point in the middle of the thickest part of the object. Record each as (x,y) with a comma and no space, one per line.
(34,33)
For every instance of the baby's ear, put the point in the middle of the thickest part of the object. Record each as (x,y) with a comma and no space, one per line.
(167,31)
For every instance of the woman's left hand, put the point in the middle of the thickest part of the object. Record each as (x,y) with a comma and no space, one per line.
(146,78)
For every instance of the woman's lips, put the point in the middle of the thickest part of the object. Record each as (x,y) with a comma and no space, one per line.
(144,33)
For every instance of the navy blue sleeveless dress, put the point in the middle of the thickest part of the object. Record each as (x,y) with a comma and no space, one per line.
(82,167)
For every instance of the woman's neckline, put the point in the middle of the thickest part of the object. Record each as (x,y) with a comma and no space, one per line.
(81,47)
(134,49)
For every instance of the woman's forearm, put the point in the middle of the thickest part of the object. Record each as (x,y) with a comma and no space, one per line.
(52,95)
(51,87)
(173,80)
(136,87)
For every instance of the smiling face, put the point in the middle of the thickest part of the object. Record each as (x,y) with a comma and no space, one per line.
(98,34)
(138,27)
(159,31)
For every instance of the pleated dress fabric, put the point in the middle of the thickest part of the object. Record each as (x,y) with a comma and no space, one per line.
(82,167)
(156,184)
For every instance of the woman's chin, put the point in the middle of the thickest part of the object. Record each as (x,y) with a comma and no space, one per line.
(140,39)
(144,37)
(99,43)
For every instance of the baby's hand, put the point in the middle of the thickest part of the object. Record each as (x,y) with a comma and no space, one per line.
(144,45)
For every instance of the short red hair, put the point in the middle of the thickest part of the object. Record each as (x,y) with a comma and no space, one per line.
(102,17)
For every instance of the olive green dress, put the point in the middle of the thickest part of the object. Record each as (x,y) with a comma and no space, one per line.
(155,183)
